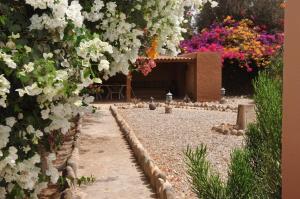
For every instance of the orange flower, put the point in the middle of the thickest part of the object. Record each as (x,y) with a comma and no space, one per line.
(283,5)
(152,51)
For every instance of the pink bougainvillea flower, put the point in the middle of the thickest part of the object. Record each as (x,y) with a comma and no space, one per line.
(239,40)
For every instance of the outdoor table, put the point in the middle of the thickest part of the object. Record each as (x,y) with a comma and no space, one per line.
(114,89)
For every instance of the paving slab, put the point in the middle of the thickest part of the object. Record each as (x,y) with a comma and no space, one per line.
(104,154)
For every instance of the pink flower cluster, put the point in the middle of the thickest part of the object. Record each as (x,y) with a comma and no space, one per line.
(145,65)
(251,45)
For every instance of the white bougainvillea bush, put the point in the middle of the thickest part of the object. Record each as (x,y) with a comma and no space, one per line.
(50,51)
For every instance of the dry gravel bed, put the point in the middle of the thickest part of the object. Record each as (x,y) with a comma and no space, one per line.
(165,136)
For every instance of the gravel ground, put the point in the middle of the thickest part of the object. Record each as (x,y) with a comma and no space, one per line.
(165,136)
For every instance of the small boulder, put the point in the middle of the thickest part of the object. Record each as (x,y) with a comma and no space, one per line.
(168,109)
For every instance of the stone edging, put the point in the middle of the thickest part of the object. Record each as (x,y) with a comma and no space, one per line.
(157,178)
(71,169)
(211,106)
(200,105)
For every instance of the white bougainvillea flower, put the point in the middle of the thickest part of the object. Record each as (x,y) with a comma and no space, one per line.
(3,101)
(2,192)
(214,4)
(10,121)
(30,129)
(12,157)
(47,55)
(20,116)
(29,67)
(4,90)
(88,99)
(52,172)
(21,92)
(31,90)
(4,134)
(10,44)
(93,49)
(15,36)
(7,59)
(95,14)
(61,75)
(97,80)
(27,49)
(74,13)
(65,63)
(45,113)
(103,65)
(41,4)
(4,85)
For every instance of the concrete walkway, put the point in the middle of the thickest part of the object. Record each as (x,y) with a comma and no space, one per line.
(105,155)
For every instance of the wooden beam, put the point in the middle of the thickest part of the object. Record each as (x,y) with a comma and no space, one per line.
(128,87)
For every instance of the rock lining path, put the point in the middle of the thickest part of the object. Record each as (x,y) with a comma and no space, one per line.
(105,154)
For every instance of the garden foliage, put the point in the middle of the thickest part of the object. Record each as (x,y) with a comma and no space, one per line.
(255,170)
(50,50)
(241,41)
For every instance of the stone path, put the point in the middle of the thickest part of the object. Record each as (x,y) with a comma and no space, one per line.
(105,155)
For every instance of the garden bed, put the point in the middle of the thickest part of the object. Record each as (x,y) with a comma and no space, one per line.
(165,136)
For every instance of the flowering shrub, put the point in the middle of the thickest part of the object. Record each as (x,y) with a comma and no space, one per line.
(145,66)
(240,40)
(50,50)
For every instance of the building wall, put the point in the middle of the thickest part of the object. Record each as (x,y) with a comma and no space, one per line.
(208,76)
(200,78)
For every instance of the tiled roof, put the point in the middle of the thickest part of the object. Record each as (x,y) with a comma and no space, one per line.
(163,58)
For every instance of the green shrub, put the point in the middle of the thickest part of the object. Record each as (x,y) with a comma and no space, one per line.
(206,183)
(255,170)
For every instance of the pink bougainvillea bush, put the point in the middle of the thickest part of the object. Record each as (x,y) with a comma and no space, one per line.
(145,66)
(252,46)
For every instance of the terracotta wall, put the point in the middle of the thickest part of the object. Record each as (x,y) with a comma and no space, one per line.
(208,79)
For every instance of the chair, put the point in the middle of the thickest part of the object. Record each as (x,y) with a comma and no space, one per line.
(115,90)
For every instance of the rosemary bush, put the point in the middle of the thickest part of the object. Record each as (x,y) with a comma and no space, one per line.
(255,170)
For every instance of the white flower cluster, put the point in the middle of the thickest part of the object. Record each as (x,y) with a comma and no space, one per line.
(93,50)
(7,59)
(41,4)
(25,173)
(59,115)
(31,90)
(4,90)
(117,30)
(52,171)
(95,14)
(165,18)
(61,12)
(4,134)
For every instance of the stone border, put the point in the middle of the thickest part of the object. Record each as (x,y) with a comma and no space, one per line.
(71,170)
(212,106)
(157,178)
